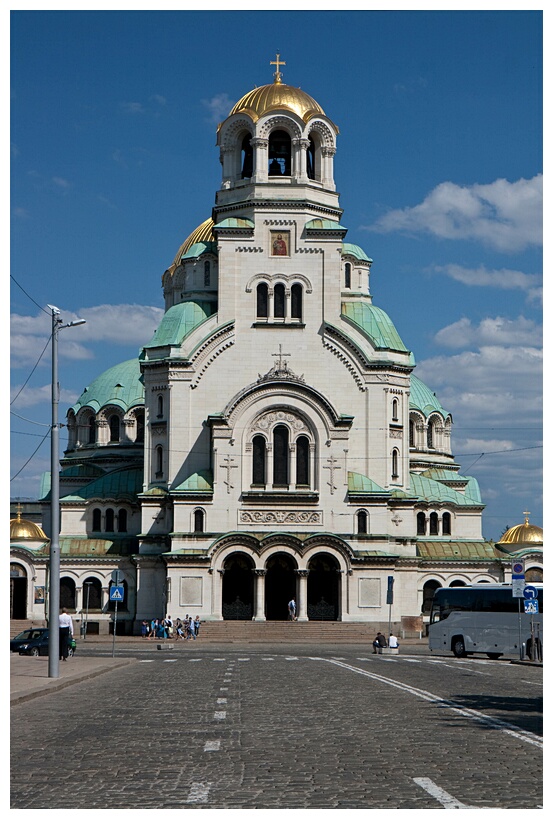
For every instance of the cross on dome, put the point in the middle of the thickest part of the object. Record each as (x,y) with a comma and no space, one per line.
(278,74)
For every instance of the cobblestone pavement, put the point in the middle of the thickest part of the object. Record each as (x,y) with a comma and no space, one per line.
(284,728)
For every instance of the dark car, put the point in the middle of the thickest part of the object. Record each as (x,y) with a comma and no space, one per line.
(34,641)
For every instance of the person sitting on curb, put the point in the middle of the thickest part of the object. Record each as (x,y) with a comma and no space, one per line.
(379,643)
(393,642)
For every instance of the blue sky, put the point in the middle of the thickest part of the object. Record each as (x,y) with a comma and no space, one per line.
(439,163)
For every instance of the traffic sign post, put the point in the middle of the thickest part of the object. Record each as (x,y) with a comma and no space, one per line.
(389,601)
(517,582)
(116,595)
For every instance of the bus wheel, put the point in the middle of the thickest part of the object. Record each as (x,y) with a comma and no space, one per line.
(458,647)
(494,656)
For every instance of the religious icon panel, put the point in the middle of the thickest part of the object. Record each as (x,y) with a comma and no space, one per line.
(280,243)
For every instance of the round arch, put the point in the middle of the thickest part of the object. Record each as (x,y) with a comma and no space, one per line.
(323,587)
(238,586)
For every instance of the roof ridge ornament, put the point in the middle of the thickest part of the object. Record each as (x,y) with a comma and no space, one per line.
(278,74)
(280,369)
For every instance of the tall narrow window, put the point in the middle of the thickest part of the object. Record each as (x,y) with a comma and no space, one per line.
(411,433)
(446,524)
(110,520)
(280,456)
(430,435)
(247,157)
(207,274)
(296,298)
(199,517)
(310,156)
(96,520)
(280,154)
(395,405)
(347,275)
(91,429)
(433,523)
(159,462)
(160,406)
(362,522)
(421,523)
(302,461)
(395,464)
(114,427)
(280,301)
(122,520)
(139,427)
(259,449)
(262,300)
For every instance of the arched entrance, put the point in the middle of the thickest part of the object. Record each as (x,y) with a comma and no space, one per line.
(323,588)
(18,592)
(280,586)
(238,587)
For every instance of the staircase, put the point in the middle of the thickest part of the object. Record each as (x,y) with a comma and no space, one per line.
(275,631)
(17,626)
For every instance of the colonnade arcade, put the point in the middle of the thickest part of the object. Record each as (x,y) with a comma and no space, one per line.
(253,585)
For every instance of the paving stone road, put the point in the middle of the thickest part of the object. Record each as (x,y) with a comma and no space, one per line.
(284,728)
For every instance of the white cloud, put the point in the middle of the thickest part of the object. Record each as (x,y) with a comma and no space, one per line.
(31,396)
(132,107)
(505,215)
(490,331)
(59,182)
(502,279)
(218,107)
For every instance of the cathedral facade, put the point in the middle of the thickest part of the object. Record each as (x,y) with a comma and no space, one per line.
(272,440)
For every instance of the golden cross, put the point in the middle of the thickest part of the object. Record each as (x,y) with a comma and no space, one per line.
(278,62)
(526,515)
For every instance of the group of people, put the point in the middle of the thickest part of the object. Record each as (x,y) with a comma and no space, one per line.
(380,642)
(167,629)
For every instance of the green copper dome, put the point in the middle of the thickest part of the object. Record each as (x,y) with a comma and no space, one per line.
(121,385)
(422,398)
(375,324)
(179,321)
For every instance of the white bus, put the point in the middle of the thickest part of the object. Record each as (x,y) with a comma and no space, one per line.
(483,619)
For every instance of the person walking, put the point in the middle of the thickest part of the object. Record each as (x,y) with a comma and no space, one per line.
(292,609)
(66,632)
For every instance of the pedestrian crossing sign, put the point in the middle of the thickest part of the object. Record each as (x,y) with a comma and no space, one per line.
(116,594)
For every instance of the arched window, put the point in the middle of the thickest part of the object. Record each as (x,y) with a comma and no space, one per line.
(122,520)
(67,593)
(421,523)
(457,583)
(280,154)
(280,301)
(92,594)
(430,435)
(199,518)
(395,409)
(296,298)
(247,157)
(427,595)
(280,456)
(262,300)
(114,427)
(259,449)
(207,274)
(433,523)
(411,433)
(302,461)
(91,424)
(159,461)
(96,520)
(139,427)
(160,406)
(310,156)
(362,522)
(110,520)
(446,524)
(395,463)
(347,275)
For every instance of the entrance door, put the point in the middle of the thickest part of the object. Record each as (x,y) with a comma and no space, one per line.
(238,588)
(18,593)
(280,586)
(323,588)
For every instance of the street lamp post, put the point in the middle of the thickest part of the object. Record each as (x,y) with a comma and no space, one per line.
(54,573)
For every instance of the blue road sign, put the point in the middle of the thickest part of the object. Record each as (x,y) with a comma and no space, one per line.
(530,592)
(531,607)
(117,594)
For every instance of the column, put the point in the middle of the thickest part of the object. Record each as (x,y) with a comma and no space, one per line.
(218,595)
(302,595)
(327,154)
(259,575)
(260,159)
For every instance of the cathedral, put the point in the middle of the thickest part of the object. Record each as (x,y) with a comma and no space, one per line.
(272,439)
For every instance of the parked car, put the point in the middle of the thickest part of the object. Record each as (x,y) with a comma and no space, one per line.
(34,642)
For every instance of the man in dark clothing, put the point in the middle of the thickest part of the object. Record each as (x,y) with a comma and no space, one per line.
(379,643)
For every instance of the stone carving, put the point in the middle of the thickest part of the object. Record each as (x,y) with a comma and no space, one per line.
(306,516)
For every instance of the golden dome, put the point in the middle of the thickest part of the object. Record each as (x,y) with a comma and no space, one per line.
(203,233)
(275,96)
(21,529)
(523,534)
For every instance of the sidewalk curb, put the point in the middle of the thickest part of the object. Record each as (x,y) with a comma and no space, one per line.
(59,684)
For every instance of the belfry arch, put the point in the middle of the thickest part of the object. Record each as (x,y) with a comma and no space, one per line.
(323,587)
(238,587)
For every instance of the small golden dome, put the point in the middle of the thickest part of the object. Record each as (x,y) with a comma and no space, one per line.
(203,233)
(21,529)
(523,534)
(275,96)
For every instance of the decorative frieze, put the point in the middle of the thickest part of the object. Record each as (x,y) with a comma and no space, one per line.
(303,516)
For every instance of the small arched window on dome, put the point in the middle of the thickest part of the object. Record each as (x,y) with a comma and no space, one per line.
(114,428)
(296,299)
(446,523)
(110,520)
(302,461)
(247,158)
(139,428)
(207,274)
(96,520)
(280,154)
(347,276)
(91,424)
(433,523)
(362,522)
(311,159)
(262,300)
(421,523)
(122,520)
(199,520)
(411,433)
(430,435)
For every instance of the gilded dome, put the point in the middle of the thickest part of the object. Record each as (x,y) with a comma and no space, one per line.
(21,529)
(203,234)
(279,96)
(525,534)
